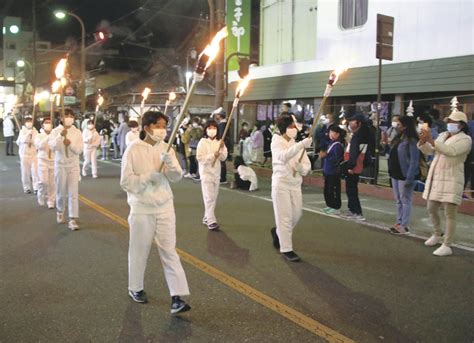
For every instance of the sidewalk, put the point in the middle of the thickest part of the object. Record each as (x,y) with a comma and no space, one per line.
(378,207)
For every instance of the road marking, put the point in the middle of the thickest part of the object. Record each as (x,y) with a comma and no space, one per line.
(296,317)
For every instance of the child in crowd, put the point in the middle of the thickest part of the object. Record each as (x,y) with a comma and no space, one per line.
(46,186)
(91,143)
(27,152)
(104,143)
(133,133)
(244,177)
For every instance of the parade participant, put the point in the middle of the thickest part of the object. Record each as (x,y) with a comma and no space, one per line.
(286,184)
(91,141)
(46,186)
(27,151)
(9,133)
(210,147)
(445,181)
(332,175)
(152,215)
(134,132)
(403,168)
(66,141)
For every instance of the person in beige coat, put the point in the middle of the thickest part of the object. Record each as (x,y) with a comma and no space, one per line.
(445,181)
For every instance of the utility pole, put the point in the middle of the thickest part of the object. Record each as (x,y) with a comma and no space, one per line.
(219,63)
(34,47)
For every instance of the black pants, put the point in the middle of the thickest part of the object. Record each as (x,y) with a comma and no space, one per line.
(193,164)
(241,184)
(223,171)
(332,191)
(469,171)
(9,145)
(352,191)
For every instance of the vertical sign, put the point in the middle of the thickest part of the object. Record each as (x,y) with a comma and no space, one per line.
(238,22)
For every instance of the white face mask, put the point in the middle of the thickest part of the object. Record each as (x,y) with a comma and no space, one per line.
(158,135)
(292,132)
(211,133)
(394,124)
(68,121)
(90,127)
(453,128)
(195,125)
(47,127)
(134,129)
(29,125)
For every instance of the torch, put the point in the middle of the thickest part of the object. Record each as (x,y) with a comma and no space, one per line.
(204,61)
(36,100)
(171,97)
(329,86)
(100,101)
(145,94)
(60,70)
(238,93)
(54,89)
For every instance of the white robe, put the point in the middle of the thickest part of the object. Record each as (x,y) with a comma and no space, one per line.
(46,185)
(152,215)
(29,163)
(286,187)
(210,175)
(66,168)
(91,142)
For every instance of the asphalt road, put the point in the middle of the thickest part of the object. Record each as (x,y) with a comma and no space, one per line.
(355,282)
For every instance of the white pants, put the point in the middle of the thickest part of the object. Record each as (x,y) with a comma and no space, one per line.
(90,157)
(67,188)
(46,185)
(288,208)
(161,227)
(29,173)
(210,191)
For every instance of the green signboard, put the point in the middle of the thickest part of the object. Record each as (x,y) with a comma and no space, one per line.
(238,23)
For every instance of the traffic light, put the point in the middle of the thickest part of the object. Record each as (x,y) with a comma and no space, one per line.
(244,64)
(102,36)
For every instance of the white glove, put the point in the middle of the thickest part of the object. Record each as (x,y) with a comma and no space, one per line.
(307,142)
(157,178)
(166,158)
(299,168)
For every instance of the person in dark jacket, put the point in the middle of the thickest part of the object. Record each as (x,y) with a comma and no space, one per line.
(403,165)
(221,123)
(267,142)
(355,155)
(332,176)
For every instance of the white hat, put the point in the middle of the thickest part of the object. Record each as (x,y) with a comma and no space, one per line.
(458,116)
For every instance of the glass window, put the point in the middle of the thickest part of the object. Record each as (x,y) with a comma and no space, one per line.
(353,13)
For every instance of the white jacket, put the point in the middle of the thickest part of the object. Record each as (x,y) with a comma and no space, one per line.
(445,181)
(26,142)
(8,127)
(55,142)
(205,155)
(285,161)
(91,139)
(248,174)
(148,192)
(44,151)
(131,136)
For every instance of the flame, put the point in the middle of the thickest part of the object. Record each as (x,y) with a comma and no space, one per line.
(100,100)
(145,93)
(212,49)
(172,96)
(55,86)
(63,81)
(60,68)
(335,75)
(37,98)
(242,85)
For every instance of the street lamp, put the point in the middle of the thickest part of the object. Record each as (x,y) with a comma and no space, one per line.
(61,15)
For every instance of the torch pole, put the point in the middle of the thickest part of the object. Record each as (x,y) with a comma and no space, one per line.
(166,106)
(63,113)
(227,126)
(51,110)
(184,108)
(16,121)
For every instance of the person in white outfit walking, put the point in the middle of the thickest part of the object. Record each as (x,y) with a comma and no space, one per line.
(134,132)
(286,183)
(27,152)
(152,215)
(46,186)
(445,181)
(66,141)
(210,148)
(91,142)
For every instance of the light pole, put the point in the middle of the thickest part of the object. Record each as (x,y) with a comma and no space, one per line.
(82,92)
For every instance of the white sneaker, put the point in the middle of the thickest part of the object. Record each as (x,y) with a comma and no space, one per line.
(187,176)
(73,225)
(60,217)
(41,202)
(433,240)
(51,206)
(84,173)
(359,217)
(94,176)
(443,250)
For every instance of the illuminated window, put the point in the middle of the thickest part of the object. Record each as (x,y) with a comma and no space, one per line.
(353,13)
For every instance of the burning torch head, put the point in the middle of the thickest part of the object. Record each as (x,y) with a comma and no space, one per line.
(210,52)
(335,75)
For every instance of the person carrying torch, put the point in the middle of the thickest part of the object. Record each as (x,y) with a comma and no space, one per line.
(46,186)
(27,152)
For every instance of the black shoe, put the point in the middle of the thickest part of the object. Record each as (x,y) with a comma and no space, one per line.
(291,256)
(276,240)
(139,297)
(178,305)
